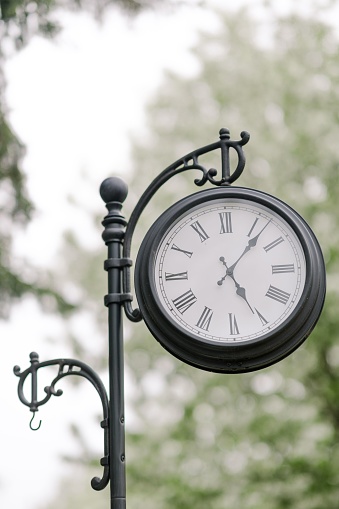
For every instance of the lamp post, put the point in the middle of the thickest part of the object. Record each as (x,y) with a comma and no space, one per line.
(117,236)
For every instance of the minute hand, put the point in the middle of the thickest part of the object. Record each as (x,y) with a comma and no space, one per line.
(251,243)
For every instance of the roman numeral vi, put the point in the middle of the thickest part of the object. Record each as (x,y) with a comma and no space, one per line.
(175,277)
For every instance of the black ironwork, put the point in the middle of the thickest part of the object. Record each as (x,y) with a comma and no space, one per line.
(114,192)
(66,367)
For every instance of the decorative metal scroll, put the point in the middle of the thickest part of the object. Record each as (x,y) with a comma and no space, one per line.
(188,162)
(67,367)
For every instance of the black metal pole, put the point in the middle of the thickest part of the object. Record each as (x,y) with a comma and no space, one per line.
(114,191)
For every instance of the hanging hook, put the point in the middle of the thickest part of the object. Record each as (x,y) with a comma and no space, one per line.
(30,423)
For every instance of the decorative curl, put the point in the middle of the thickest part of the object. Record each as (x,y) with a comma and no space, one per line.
(67,367)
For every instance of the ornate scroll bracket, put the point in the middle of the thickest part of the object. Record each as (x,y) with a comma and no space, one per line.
(188,162)
(227,177)
(66,367)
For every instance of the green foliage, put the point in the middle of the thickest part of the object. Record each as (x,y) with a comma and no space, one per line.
(24,18)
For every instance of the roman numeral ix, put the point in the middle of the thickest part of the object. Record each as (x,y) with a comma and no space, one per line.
(169,276)
(283,269)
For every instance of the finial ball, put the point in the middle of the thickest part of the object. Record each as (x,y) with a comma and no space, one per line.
(113,189)
(224,133)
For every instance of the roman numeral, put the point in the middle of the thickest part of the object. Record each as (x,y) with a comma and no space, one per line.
(187,253)
(175,277)
(273,244)
(262,318)
(234,329)
(226,222)
(282,269)
(200,231)
(184,301)
(253,226)
(277,294)
(205,319)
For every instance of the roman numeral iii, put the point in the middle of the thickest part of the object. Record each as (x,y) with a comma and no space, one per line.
(282,269)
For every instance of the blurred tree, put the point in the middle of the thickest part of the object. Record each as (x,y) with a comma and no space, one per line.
(19,21)
(15,210)
(268,439)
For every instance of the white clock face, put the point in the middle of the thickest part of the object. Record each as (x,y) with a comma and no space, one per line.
(230,270)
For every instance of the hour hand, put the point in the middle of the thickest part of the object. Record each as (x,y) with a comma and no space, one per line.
(240,289)
(241,292)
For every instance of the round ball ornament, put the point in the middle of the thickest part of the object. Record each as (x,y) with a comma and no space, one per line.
(230,280)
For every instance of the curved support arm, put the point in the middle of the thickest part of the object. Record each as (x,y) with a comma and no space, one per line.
(67,367)
(188,162)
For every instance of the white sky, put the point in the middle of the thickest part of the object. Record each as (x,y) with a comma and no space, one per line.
(73,103)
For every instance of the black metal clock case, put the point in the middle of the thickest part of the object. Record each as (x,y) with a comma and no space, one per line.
(247,355)
(223,357)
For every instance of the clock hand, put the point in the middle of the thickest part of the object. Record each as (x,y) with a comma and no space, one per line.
(251,243)
(240,289)
(220,282)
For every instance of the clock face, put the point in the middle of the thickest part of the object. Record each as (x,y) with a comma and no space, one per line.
(229,271)
(230,280)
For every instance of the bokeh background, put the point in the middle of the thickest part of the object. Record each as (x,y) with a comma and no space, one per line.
(93,89)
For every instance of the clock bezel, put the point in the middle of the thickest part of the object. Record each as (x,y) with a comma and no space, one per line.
(247,355)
